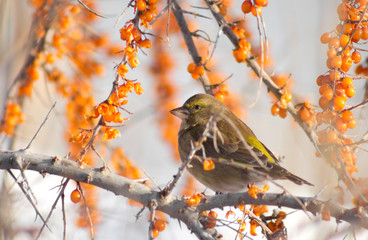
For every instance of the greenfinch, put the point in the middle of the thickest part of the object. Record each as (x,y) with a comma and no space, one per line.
(239,157)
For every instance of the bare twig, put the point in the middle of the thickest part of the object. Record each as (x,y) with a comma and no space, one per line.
(90,10)
(39,129)
(28,198)
(53,207)
(87,211)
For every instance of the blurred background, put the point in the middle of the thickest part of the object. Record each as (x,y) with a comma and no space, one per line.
(293,30)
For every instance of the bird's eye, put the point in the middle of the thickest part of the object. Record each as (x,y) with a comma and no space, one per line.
(197,107)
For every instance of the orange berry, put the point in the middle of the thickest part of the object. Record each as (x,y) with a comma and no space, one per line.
(343,11)
(191,67)
(352,124)
(334,75)
(341,126)
(334,43)
(323,103)
(331,52)
(357,35)
(323,88)
(146,43)
(347,116)
(240,54)
(256,11)
(220,96)
(199,70)
(350,92)
(261,3)
(155,233)
(339,103)
(159,224)
(336,62)
(325,38)
(208,165)
(194,75)
(347,82)
(246,6)
(348,28)
(347,62)
(75,196)
(282,113)
(275,109)
(136,34)
(331,136)
(304,114)
(50,58)
(141,5)
(328,94)
(356,57)
(344,40)
(365,33)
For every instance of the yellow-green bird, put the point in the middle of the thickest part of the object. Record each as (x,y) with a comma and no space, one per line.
(239,157)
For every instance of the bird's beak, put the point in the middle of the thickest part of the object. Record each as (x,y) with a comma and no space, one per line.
(180,112)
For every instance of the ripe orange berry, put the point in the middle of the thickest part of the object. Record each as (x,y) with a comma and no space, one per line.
(325,38)
(357,35)
(159,224)
(155,233)
(352,124)
(341,126)
(356,57)
(75,196)
(339,103)
(141,5)
(191,67)
(334,43)
(256,10)
(350,92)
(304,114)
(136,34)
(331,52)
(199,70)
(334,75)
(348,28)
(347,82)
(347,116)
(240,54)
(208,165)
(261,3)
(246,6)
(343,11)
(146,43)
(336,62)
(275,109)
(282,112)
(331,136)
(323,103)
(323,88)
(347,62)
(328,94)
(365,33)
(344,40)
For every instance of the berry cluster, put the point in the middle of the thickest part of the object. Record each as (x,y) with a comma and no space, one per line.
(255,8)
(336,86)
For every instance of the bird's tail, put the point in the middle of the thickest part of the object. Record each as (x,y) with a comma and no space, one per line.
(297,179)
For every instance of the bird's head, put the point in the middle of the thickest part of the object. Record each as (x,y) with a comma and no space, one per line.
(198,109)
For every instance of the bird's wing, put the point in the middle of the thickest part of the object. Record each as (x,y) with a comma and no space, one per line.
(235,146)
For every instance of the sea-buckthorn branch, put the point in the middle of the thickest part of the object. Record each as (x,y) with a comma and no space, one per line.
(187,35)
(174,206)
(252,63)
